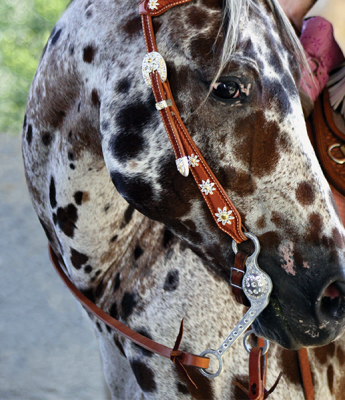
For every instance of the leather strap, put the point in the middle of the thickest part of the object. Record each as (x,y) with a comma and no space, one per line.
(223,211)
(174,354)
(326,136)
(256,374)
(237,273)
(261,344)
(306,374)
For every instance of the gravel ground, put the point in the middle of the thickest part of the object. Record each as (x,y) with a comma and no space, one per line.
(48,350)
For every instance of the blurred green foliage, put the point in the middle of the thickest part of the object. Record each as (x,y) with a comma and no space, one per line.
(25,26)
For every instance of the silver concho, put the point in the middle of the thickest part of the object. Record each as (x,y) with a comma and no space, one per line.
(153,62)
(255,285)
(182,166)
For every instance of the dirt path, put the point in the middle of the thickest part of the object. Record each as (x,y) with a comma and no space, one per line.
(48,350)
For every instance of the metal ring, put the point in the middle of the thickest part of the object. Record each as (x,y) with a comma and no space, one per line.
(219,358)
(247,345)
(255,241)
(329,152)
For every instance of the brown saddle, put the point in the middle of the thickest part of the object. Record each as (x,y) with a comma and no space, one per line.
(326,129)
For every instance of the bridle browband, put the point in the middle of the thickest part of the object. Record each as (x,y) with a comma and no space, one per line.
(254,283)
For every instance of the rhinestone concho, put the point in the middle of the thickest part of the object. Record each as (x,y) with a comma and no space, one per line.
(153,62)
(255,285)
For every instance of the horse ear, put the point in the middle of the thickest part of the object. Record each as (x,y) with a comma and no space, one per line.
(296,11)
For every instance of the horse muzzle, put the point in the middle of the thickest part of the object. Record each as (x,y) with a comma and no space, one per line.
(302,322)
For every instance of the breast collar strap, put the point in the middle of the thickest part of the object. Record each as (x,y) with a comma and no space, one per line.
(187,154)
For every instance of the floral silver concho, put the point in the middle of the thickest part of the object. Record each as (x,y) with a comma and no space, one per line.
(193,160)
(153,4)
(207,187)
(224,216)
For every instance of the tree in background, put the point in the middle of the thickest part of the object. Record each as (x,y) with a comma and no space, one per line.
(25,26)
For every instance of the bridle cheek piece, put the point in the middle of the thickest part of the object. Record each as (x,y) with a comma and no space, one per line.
(257,285)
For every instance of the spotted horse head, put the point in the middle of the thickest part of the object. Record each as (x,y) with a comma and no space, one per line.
(234,72)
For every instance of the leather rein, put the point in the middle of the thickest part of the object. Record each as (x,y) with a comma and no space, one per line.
(245,272)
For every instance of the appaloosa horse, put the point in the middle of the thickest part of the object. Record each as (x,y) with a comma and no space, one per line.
(149,252)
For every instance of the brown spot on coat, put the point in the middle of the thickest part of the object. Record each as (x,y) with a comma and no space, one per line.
(201,49)
(95,98)
(46,138)
(133,26)
(324,352)
(118,344)
(313,234)
(181,388)
(78,197)
(197,17)
(240,182)
(61,92)
(144,376)
(205,389)
(330,377)
(29,134)
(86,197)
(305,193)
(284,224)
(338,238)
(89,53)
(127,216)
(258,148)
(66,218)
(214,4)
(261,222)
(114,311)
(339,390)
(100,289)
(78,259)
(289,365)
(341,356)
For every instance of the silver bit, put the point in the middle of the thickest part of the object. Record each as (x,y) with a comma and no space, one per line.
(257,286)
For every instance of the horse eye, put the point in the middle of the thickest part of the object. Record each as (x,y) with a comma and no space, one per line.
(229,90)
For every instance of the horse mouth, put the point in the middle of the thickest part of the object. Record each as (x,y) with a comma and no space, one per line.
(273,325)
(293,332)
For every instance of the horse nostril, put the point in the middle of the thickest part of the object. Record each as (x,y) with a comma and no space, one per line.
(333,300)
(331,291)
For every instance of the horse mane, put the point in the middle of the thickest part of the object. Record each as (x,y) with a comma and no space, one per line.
(235,10)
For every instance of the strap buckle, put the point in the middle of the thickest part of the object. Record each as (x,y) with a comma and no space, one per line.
(237,270)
